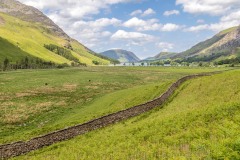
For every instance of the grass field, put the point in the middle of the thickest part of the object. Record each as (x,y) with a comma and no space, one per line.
(201,121)
(35,102)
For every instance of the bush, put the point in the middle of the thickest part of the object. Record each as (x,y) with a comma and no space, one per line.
(95,62)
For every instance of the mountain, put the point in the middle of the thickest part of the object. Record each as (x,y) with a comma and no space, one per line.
(221,46)
(161,56)
(121,55)
(29,30)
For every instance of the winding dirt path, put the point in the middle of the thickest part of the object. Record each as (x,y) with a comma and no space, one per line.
(19,148)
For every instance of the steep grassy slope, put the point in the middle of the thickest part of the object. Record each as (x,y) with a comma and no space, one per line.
(29,108)
(201,121)
(222,45)
(165,55)
(31,37)
(30,14)
(200,46)
(10,51)
(161,56)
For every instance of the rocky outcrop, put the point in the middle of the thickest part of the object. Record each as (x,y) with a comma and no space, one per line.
(229,42)
(18,148)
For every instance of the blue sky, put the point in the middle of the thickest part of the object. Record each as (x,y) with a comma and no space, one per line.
(145,27)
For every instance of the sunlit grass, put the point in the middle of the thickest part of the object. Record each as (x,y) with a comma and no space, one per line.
(201,121)
(54,99)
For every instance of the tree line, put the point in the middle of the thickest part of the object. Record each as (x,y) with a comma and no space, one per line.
(62,52)
(28,63)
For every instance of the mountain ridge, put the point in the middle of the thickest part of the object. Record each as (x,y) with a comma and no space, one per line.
(161,56)
(224,44)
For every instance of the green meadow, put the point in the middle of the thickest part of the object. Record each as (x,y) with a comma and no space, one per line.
(200,121)
(36,102)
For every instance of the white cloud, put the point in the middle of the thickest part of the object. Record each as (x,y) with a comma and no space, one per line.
(172,12)
(234,16)
(147,12)
(225,22)
(142,25)
(135,38)
(136,12)
(150,25)
(211,7)
(92,33)
(97,24)
(197,28)
(165,46)
(73,9)
(170,27)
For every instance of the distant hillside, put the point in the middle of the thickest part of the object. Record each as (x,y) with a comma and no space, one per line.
(221,46)
(28,29)
(161,56)
(121,55)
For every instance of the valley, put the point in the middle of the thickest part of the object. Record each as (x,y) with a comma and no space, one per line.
(116,80)
(182,111)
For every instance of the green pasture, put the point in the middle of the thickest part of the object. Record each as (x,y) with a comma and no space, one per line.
(200,121)
(35,102)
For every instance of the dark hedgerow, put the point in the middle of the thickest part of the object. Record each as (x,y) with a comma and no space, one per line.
(62,52)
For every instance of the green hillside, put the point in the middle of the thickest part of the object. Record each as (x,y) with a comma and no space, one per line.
(161,56)
(222,46)
(201,46)
(227,31)
(10,51)
(200,125)
(31,37)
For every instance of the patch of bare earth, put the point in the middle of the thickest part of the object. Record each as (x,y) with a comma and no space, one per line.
(11,116)
(69,87)
(22,111)
(19,95)
(44,105)
(95,85)
(2,21)
(61,103)
(5,104)
(4,97)
(41,90)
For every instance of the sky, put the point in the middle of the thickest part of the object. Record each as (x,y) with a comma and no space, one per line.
(145,27)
